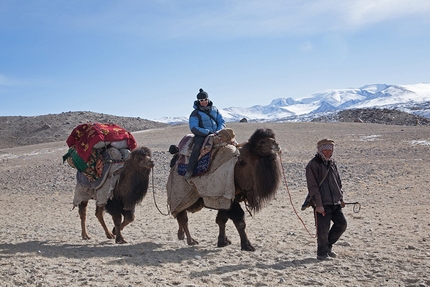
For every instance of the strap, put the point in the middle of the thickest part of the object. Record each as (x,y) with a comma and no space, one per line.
(200,117)
(325,176)
(307,201)
(209,114)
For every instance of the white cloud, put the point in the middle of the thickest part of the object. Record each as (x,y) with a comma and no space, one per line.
(5,81)
(341,15)
(158,18)
(357,13)
(306,46)
(276,16)
(8,81)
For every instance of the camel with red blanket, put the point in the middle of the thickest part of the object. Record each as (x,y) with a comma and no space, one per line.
(109,173)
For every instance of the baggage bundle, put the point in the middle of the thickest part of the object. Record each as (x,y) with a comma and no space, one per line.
(87,142)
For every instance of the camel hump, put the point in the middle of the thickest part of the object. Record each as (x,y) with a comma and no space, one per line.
(227,135)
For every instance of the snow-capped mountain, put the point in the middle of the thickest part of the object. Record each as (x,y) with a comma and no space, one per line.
(408,98)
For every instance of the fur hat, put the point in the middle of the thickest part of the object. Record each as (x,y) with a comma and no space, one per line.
(227,135)
(325,143)
(202,95)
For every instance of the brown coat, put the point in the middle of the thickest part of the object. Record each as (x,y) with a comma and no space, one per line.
(323,191)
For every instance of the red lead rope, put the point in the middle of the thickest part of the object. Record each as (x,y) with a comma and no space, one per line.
(291,200)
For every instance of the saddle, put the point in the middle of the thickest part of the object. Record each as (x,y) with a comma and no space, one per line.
(183,151)
(112,161)
(215,185)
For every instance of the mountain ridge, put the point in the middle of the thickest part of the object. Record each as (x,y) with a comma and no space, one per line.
(414,99)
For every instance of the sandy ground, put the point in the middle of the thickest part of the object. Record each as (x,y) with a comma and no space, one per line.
(387,243)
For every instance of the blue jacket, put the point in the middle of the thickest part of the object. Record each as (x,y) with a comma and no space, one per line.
(204,121)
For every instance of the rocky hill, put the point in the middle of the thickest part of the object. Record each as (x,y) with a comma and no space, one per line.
(376,116)
(21,130)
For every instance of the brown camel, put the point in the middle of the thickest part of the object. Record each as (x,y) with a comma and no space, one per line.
(257,174)
(130,190)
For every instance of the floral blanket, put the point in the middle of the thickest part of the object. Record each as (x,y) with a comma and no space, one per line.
(85,136)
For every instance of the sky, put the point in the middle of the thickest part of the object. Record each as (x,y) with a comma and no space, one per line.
(149,58)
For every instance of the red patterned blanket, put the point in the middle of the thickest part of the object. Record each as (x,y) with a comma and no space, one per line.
(85,136)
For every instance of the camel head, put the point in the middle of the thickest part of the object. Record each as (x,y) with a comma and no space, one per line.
(134,178)
(263,142)
(257,173)
(141,158)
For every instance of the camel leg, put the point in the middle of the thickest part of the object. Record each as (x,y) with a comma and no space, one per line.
(115,209)
(99,214)
(83,216)
(117,218)
(128,218)
(237,214)
(182,219)
(221,220)
(181,233)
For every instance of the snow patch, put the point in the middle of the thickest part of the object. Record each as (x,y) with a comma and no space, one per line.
(420,142)
(370,138)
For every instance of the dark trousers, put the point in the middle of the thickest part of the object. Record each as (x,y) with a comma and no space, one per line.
(327,236)
(194,157)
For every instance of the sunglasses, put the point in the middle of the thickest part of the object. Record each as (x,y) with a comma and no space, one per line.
(203,100)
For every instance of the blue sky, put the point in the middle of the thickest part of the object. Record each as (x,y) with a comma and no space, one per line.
(149,58)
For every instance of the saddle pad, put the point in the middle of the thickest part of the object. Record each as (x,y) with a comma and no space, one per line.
(112,157)
(201,167)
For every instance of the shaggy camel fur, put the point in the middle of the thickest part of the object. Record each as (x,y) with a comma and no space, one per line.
(128,192)
(257,174)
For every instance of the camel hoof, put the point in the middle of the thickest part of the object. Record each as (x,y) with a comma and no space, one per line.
(246,246)
(223,242)
(192,242)
(110,236)
(120,241)
(85,236)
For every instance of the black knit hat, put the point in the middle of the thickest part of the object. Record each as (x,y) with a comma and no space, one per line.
(202,95)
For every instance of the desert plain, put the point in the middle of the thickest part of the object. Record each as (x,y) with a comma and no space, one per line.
(385,168)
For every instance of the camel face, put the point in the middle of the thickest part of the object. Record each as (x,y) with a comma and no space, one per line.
(266,146)
(263,143)
(142,158)
(146,162)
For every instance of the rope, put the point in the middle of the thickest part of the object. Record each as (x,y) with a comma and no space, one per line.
(357,206)
(291,200)
(247,208)
(153,195)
